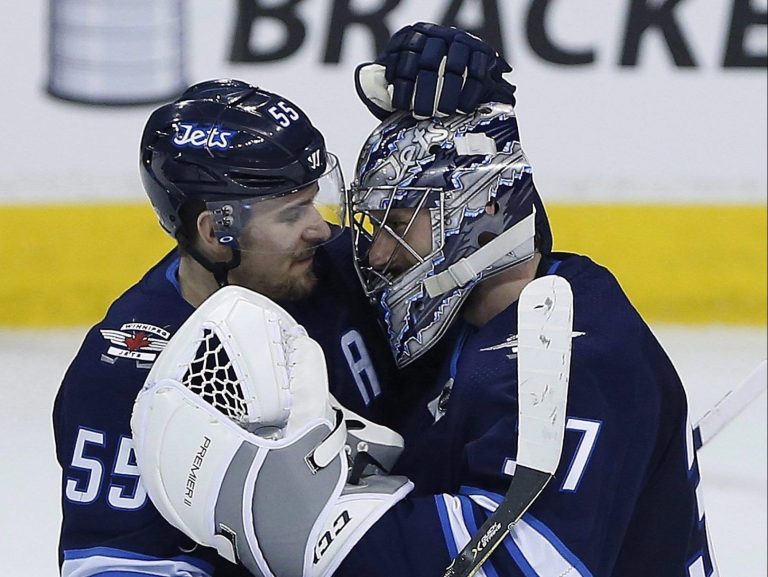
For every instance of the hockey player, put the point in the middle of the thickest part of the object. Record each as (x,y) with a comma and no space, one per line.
(449,230)
(239,177)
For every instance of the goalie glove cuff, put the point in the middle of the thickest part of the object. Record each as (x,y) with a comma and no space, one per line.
(373,90)
(352,515)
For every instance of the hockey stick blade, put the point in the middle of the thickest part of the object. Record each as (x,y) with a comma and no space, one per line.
(545,328)
(730,406)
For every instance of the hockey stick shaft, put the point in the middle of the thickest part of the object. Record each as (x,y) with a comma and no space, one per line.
(545,329)
(730,406)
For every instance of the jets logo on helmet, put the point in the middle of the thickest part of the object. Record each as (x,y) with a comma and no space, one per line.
(190,135)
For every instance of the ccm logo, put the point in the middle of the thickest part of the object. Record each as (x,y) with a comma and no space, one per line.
(192,136)
(330,535)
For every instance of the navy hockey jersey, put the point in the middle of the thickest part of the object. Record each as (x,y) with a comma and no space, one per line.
(110,529)
(625,500)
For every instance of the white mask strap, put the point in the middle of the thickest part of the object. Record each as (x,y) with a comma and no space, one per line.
(517,241)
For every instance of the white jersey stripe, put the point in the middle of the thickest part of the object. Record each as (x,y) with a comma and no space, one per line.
(534,547)
(456,527)
(715,570)
(690,448)
(471,524)
(103,563)
(442,512)
(697,568)
(540,553)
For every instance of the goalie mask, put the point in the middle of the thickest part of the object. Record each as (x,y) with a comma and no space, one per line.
(466,179)
(235,150)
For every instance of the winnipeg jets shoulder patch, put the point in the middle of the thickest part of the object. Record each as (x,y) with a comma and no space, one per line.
(139,342)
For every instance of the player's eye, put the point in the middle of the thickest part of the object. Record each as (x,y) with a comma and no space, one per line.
(295,213)
(291,216)
(398,226)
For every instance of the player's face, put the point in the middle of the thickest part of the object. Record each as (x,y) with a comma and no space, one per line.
(278,246)
(387,254)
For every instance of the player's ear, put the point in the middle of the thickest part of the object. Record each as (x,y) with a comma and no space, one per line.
(208,242)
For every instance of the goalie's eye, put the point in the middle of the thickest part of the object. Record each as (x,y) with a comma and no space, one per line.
(398,226)
(397,220)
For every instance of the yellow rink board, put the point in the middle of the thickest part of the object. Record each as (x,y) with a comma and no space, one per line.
(63,265)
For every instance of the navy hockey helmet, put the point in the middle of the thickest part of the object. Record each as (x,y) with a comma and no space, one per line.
(470,174)
(229,145)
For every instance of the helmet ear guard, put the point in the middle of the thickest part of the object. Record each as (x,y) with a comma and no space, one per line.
(472,175)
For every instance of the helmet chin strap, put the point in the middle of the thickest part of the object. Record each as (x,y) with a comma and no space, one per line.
(517,240)
(219,270)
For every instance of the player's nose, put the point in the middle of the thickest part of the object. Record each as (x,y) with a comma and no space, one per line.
(381,250)
(317,230)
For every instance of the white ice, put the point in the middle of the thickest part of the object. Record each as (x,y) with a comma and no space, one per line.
(710,360)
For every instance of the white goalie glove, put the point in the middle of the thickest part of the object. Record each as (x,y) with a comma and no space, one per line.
(242,448)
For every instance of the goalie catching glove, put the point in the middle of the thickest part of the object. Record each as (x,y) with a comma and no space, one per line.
(242,448)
